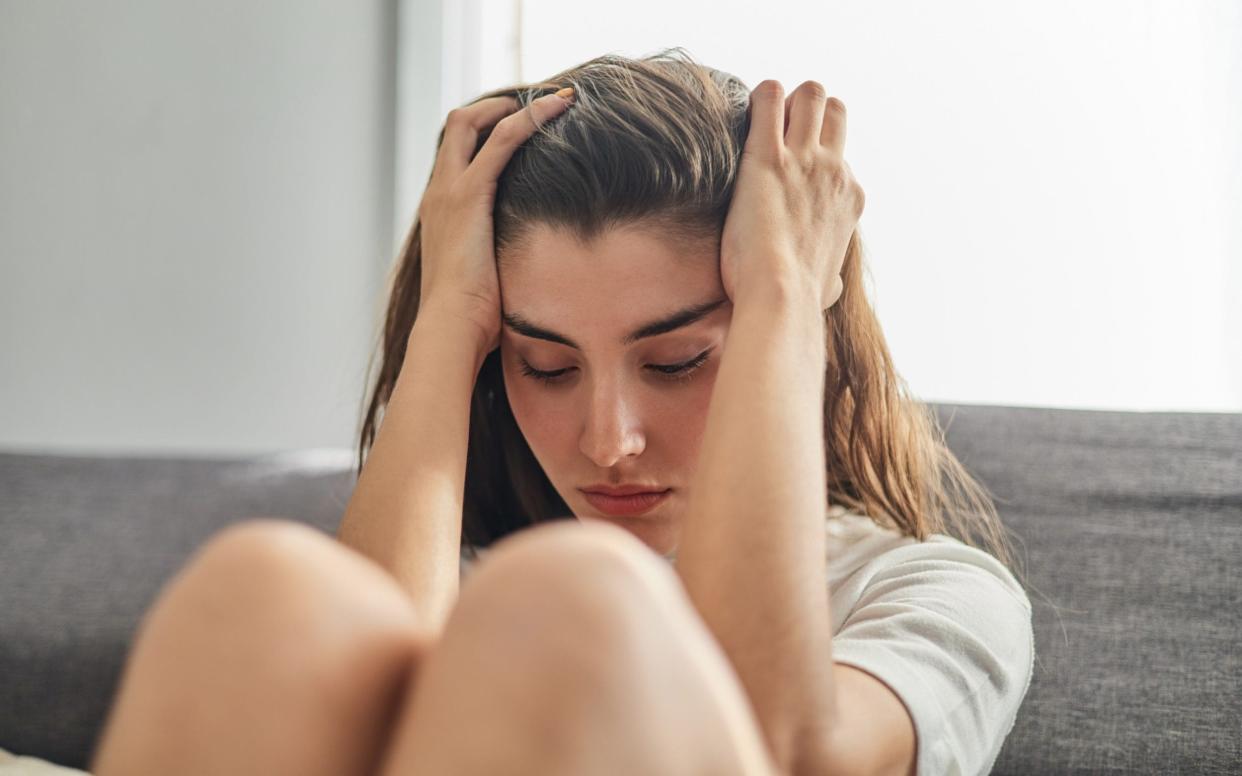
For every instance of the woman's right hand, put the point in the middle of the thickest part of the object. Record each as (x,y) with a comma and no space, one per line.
(458,257)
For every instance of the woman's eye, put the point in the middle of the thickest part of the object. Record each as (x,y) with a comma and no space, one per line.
(678,373)
(540,375)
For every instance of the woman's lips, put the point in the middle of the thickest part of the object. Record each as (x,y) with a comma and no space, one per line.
(626,505)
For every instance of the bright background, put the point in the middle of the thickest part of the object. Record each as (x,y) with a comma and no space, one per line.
(199,205)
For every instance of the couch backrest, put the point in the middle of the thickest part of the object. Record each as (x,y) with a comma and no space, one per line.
(1130,527)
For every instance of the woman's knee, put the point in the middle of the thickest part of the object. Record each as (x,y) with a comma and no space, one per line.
(288,600)
(550,649)
(277,563)
(587,596)
(594,557)
(587,630)
(271,627)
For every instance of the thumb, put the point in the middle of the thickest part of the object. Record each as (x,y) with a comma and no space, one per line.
(836,287)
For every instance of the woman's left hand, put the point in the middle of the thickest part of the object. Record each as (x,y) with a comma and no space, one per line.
(795,202)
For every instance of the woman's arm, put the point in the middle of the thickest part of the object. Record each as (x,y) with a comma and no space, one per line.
(752,549)
(405,512)
(406,509)
(753,546)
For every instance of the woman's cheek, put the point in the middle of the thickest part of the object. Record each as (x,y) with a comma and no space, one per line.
(532,412)
(691,419)
(519,402)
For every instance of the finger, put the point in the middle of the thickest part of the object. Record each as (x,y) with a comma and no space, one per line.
(511,132)
(832,292)
(833,133)
(767,118)
(806,115)
(461,132)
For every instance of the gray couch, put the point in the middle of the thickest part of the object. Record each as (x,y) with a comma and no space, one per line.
(1130,525)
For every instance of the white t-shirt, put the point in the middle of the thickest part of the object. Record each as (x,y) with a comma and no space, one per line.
(943,624)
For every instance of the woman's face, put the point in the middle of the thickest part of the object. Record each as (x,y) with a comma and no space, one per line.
(608,416)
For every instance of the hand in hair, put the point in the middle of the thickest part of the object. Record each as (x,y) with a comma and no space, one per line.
(455,215)
(795,204)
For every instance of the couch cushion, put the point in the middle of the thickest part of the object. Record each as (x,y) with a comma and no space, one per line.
(24,765)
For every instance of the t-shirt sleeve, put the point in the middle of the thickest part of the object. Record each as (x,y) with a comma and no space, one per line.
(948,629)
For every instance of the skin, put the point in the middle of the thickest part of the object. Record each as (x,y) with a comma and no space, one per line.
(611,418)
(723,668)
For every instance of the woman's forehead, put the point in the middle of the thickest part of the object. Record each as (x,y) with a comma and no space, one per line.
(605,290)
(626,260)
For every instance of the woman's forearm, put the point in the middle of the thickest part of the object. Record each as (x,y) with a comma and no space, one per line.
(406,509)
(752,549)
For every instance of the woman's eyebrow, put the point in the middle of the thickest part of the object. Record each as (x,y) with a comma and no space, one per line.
(677,320)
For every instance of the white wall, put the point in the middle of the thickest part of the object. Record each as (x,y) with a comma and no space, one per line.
(1054,189)
(449,52)
(195,214)
(199,202)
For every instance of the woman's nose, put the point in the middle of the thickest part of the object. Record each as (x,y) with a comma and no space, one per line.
(613,429)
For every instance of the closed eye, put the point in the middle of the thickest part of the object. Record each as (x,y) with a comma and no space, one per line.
(678,373)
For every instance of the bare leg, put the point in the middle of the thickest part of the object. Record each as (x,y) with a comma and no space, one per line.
(275,650)
(573,649)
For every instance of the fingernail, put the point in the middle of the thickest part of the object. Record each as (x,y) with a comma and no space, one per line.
(566,94)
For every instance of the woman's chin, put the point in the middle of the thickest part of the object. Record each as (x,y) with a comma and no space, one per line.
(661,535)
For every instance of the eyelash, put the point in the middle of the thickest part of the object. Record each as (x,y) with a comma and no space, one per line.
(677,373)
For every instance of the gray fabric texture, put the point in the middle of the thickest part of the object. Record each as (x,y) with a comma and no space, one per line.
(86,544)
(1127,526)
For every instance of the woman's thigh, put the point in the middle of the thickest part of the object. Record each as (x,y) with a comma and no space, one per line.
(573,649)
(276,649)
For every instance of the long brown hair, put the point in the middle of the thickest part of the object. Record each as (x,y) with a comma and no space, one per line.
(658,140)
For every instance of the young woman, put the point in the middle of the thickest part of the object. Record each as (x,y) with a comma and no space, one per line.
(647,283)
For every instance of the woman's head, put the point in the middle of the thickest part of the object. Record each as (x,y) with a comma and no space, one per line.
(603,388)
(609,218)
